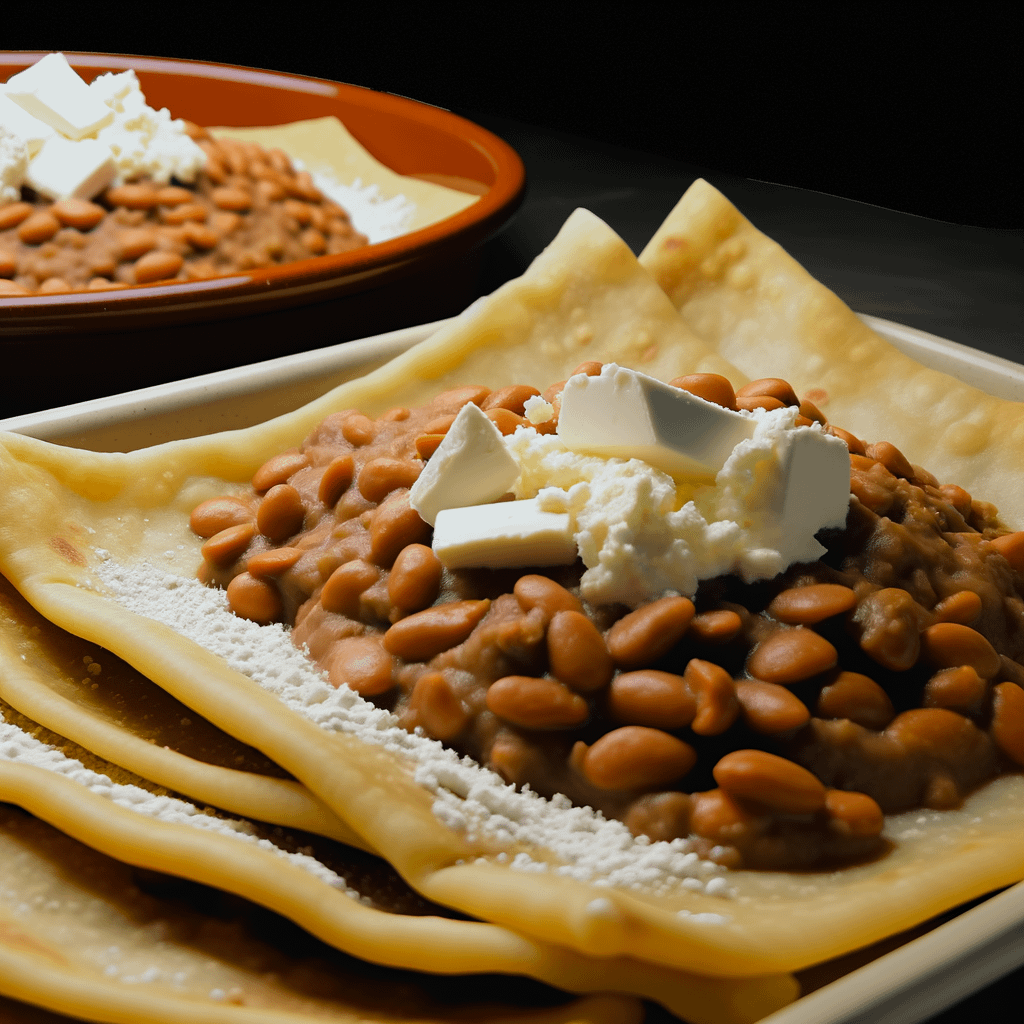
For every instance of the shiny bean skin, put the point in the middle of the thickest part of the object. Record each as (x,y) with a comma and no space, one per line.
(770,780)
(513,398)
(892,458)
(809,410)
(415,578)
(948,644)
(1011,547)
(427,444)
(651,631)
(719,816)
(379,477)
(858,698)
(1008,720)
(715,627)
(937,732)
(590,367)
(853,814)
(53,285)
(78,213)
(715,692)
(133,196)
(395,525)
(12,288)
(438,710)
(577,655)
(278,470)
(136,242)
(808,605)
(236,200)
(533,703)
(959,689)
(336,480)
(853,443)
(963,607)
(506,421)
(157,266)
(361,664)
(651,697)
(774,387)
(358,429)
(13,214)
(218,514)
(749,403)
(38,227)
(661,817)
(635,757)
(173,195)
(272,562)
(420,636)
(189,213)
(228,544)
(281,513)
(341,592)
(540,592)
(199,236)
(791,655)
(712,387)
(769,708)
(254,599)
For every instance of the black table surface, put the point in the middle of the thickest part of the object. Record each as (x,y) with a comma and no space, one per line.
(958,282)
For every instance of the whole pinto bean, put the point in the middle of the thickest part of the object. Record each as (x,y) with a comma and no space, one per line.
(948,644)
(362,664)
(278,470)
(774,387)
(964,607)
(420,636)
(576,652)
(218,514)
(273,562)
(661,817)
(513,398)
(635,757)
(791,655)
(157,266)
(280,513)
(943,735)
(38,227)
(651,631)
(770,780)
(533,703)
(336,480)
(540,592)
(715,693)
(395,525)
(653,698)
(341,592)
(712,387)
(379,477)
(855,697)
(769,708)
(959,689)
(718,626)
(1008,720)
(415,578)
(254,599)
(228,544)
(1011,547)
(437,708)
(804,606)
(853,814)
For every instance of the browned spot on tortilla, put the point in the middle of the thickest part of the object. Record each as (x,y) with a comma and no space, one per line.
(67,551)
(675,242)
(13,938)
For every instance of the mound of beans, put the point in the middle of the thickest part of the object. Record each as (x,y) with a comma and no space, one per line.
(248,208)
(772,724)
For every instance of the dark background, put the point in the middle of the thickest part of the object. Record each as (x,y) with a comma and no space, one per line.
(913,112)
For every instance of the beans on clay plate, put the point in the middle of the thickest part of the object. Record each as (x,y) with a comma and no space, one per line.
(774,723)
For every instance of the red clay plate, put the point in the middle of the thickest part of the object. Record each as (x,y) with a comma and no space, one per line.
(283,308)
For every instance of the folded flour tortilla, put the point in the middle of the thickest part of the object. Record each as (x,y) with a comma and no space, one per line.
(64,514)
(762,311)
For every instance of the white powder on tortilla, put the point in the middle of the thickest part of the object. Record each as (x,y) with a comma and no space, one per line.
(19,747)
(378,218)
(468,798)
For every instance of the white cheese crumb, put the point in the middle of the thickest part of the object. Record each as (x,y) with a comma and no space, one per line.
(13,165)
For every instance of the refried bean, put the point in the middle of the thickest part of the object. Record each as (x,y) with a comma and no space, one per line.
(775,722)
(248,208)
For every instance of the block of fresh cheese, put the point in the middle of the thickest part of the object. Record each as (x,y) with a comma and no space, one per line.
(52,91)
(503,535)
(21,123)
(471,466)
(625,414)
(63,169)
(13,165)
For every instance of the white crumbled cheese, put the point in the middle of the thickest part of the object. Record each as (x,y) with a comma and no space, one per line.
(467,797)
(639,540)
(625,414)
(470,467)
(51,91)
(145,142)
(20,122)
(503,535)
(537,410)
(63,169)
(13,166)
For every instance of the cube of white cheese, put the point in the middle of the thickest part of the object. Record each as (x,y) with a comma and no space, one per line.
(51,91)
(625,414)
(470,467)
(815,472)
(71,170)
(503,535)
(20,122)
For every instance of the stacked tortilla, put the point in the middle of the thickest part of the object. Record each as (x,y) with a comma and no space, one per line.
(124,754)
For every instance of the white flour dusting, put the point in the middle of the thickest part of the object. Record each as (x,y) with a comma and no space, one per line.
(19,747)
(378,218)
(468,798)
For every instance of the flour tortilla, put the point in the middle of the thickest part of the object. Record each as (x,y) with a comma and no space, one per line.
(585,297)
(762,311)
(326,146)
(388,925)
